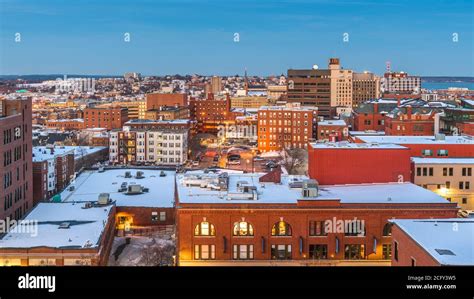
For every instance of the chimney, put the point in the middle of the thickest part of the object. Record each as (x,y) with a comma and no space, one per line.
(409,112)
(273,176)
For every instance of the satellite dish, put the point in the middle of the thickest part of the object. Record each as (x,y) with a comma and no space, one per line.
(315,67)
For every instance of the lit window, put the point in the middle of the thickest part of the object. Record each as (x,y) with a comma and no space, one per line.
(243,229)
(204,229)
(281,228)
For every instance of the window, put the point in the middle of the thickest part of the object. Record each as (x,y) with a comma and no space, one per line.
(318,251)
(354,252)
(243,229)
(387,251)
(464,200)
(154,216)
(387,230)
(448,185)
(426,152)
(431,171)
(317,228)
(281,228)
(204,252)
(204,229)
(413,262)
(395,252)
(242,252)
(461,185)
(162,216)
(281,252)
(418,171)
(467,171)
(443,153)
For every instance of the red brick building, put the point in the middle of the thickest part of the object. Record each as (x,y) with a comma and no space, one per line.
(413,243)
(212,112)
(333,130)
(290,126)
(350,163)
(370,116)
(248,219)
(65,124)
(409,121)
(16,171)
(109,118)
(157,100)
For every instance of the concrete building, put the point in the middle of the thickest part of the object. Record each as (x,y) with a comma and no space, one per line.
(16,169)
(277,219)
(290,126)
(139,146)
(400,82)
(433,242)
(365,87)
(451,178)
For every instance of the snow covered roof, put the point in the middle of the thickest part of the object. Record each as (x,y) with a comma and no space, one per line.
(332,122)
(417,160)
(42,153)
(203,189)
(84,229)
(89,184)
(348,145)
(453,244)
(367,133)
(418,139)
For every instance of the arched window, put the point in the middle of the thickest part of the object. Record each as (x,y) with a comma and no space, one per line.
(243,229)
(387,230)
(281,228)
(204,229)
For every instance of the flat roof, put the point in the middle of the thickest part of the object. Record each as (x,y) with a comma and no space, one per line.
(197,188)
(332,122)
(438,235)
(418,139)
(348,145)
(366,133)
(42,153)
(417,160)
(89,184)
(85,227)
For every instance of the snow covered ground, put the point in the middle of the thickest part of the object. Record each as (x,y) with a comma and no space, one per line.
(138,251)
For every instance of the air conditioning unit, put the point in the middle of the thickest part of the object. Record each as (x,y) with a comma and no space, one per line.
(104,198)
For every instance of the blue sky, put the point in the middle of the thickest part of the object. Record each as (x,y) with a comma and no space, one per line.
(197,36)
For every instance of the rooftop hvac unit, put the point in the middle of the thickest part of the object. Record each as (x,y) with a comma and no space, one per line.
(134,189)
(310,188)
(64,225)
(162,174)
(104,198)
(128,174)
(101,169)
(87,205)
(139,175)
(440,137)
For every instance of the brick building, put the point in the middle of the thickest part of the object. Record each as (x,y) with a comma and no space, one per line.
(68,234)
(157,100)
(276,219)
(370,116)
(433,242)
(409,121)
(65,124)
(290,126)
(332,130)
(16,170)
(109,118)
(351,163)
(212,112)
(167,113)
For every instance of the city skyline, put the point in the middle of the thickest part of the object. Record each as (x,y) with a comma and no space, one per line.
(186,37)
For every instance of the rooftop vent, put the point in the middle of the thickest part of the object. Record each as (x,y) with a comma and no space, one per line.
(123,187)
(139,175)
(444,252)
(128,174)
(310,188)
(104,198)
(135,189)
(162,174)
(440,137)
(101,169)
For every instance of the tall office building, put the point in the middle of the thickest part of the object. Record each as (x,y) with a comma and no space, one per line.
(16,171)
(328,89)
(215,86)
(394,82)
(365,87)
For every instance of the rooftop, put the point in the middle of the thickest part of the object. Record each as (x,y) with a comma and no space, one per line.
(82,227)
(349,145)
(42,153)
(453,244)
(442,160)
(201,188)
(154,190)
(418,139)
(335,122)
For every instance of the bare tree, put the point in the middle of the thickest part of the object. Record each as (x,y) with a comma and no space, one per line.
(295,160)
(158,254)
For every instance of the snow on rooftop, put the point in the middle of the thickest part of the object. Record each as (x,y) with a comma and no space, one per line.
(85,227)
(455,235)
(89,184)
(368,133)
(190,190)
(348,145)
(417,160)
(42,153)
(418,139)
(332,122)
